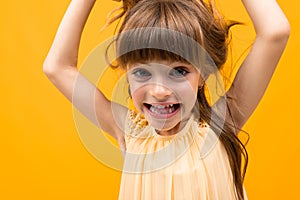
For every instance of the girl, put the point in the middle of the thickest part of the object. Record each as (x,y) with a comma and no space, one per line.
(169,49)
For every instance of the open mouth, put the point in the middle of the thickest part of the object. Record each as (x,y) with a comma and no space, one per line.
(162,110)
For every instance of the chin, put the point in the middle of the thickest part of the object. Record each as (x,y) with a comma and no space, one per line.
(163,124)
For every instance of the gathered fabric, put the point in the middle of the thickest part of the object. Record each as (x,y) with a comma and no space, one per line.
(192,164)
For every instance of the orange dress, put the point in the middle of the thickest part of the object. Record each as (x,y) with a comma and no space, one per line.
(191,164)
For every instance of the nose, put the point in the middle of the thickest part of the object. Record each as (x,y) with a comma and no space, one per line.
(159,91)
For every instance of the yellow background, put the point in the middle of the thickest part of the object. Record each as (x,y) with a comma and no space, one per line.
(42,156)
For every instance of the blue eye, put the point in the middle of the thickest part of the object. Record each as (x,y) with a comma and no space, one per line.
(178,72)
(142,73)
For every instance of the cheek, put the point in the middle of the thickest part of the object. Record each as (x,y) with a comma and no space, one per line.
(137,95)
(189,86)
(134,85)
(186,92)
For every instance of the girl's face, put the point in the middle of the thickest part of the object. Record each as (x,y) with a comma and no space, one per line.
(165,93)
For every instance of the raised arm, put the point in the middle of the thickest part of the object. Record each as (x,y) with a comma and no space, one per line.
(272,32)
(60,66)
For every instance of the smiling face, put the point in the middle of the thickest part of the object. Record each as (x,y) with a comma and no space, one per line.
(165,93)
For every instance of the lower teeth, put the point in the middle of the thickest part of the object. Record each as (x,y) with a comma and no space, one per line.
(162,111)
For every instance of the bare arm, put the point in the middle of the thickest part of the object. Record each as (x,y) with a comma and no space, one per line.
(60,66)
(272,32)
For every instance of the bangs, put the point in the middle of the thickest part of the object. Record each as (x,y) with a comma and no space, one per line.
(148,55)
(148,44)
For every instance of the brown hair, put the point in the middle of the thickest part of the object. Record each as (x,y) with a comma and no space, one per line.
(200,21)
